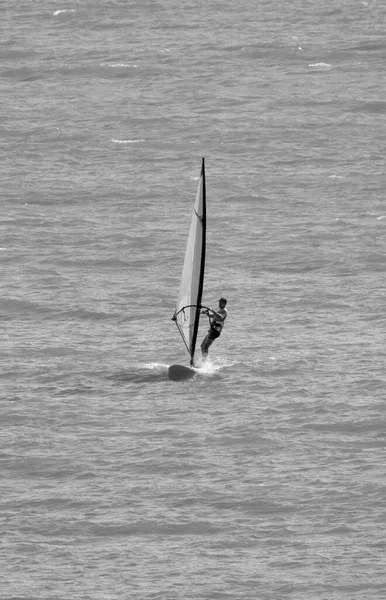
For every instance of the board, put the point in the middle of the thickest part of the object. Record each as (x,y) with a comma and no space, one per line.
(181,372)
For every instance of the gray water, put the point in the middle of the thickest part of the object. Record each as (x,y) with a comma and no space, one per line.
(264,476)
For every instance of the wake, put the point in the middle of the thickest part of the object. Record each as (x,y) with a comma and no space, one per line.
(159,371)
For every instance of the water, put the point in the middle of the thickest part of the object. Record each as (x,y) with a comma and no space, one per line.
(264,476)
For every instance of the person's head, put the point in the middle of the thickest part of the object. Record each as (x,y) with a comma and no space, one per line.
(222,302)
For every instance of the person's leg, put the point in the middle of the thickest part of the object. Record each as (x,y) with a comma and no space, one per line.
(208,341)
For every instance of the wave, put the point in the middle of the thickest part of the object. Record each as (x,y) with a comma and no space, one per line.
(377,107)
(82,314)
(142,373)
(112,263)
(63,11)
(22,74)
(128,141)
(321,66)
(105,70)
(11,308)
(119,65)
(15,54)
(154,528)
(369,46)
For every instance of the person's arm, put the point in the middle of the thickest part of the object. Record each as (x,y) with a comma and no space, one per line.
(218,315)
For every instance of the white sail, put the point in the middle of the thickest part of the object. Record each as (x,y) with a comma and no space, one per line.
(187,313)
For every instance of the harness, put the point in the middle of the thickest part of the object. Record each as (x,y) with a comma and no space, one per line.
(218,325)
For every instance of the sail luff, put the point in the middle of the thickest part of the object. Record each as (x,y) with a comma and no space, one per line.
(202,266)
(187,314)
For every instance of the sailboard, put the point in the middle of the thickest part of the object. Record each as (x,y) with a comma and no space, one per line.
(188,307)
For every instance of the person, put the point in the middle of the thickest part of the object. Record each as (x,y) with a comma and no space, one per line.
(216,320)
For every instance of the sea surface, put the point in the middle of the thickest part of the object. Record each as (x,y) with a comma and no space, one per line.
(263,477)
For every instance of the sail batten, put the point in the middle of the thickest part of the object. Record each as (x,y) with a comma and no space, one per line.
(187,314)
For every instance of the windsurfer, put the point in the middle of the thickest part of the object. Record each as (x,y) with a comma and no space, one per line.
(216,320)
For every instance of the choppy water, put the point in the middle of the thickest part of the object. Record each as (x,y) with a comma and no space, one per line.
(263,478)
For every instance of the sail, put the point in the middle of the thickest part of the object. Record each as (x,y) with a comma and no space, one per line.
(187,313)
